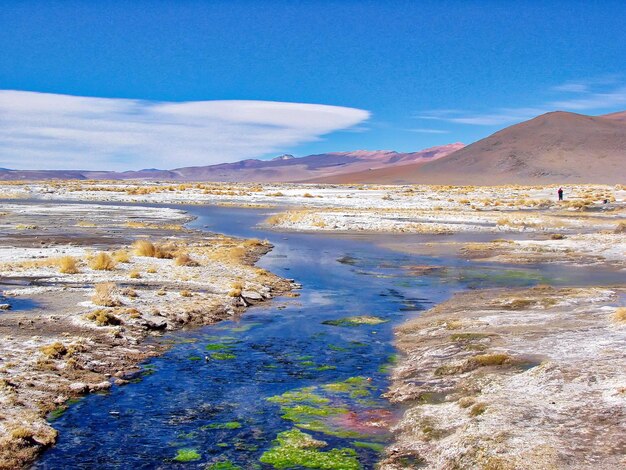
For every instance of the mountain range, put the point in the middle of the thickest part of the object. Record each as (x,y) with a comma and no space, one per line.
(556,147)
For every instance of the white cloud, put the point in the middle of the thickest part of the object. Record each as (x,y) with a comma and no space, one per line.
(585,99)
(41,130)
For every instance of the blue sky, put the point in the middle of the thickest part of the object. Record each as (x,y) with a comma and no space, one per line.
(398,75)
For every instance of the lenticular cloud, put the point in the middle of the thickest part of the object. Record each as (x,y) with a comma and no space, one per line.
(50,131)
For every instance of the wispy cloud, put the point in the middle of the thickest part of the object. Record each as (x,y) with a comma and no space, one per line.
(41,130)
(590,95)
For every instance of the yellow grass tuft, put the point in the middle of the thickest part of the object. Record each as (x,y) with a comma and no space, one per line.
(235,289)
(104,295)
(619,316)
(185,293)
(148,249)
(144,248)
(184,260)
(54,350)
(134,274)
(102,262)
(67,265)
(84,223)
(496,359)
(103,318)
(121,256)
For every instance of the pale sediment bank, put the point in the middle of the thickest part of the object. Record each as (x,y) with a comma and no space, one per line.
(588,227)
(96,298)
(513,379)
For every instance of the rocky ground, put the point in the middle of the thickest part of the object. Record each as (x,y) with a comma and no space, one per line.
(84,285)
(514,379)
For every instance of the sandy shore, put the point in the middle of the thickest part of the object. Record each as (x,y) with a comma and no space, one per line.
(81,296)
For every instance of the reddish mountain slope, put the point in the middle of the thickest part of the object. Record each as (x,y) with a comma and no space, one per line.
(284,168)
(555,147)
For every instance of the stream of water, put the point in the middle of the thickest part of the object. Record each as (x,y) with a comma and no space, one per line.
(221,395)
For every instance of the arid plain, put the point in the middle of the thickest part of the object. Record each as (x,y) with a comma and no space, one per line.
(479,374)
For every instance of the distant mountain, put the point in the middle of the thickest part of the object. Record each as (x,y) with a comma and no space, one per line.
(284,168)
(557,147)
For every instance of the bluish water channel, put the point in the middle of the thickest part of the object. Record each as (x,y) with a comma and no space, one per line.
(218,410)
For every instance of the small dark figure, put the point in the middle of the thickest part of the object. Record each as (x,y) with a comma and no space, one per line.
(560,193)
(606,201)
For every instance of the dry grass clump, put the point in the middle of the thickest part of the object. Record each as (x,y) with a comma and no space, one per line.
(557,236)
(496,359)
(518,304)
(148,249)
(104,295)
(186,293)
(103,318)
(134,274)
(466,402)
(22,433)
(477,409)
(121,256)
(235,289)
(67,265)
(184,259)
(250,242)
(621,228)
(84,223)
(229,254)
(54,350)
(619,316)
(144,248)
(129,292)
(152,270)
(481,360)
(102,262)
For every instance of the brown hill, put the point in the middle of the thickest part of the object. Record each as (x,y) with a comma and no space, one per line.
(556,147)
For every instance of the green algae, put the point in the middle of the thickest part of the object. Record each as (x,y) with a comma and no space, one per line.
(355,321)
(325,367)
(217,346)
(375,446)
(240,328)
(306,413)
(195,358)
(321,427)
(297,449)
(307,363)
(56,413)
(355,387)
(392,360)
(186,455)
(334,347)
(228,425)
(222,356)
(301,395)
(187,435)
(223,465)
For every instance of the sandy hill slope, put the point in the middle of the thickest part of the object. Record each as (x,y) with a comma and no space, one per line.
(557,147)
(284,168)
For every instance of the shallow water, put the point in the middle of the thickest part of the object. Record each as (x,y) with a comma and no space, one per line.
(209,393)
